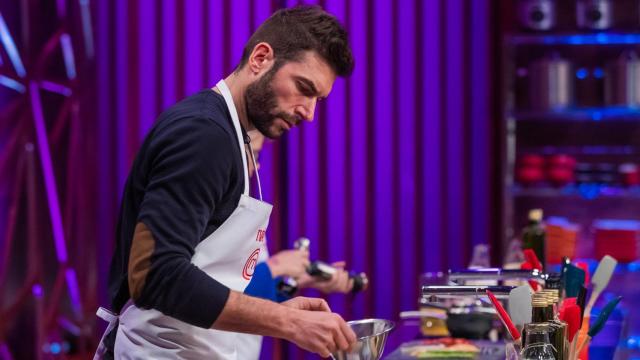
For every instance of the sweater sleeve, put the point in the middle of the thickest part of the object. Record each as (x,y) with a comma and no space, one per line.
(190,173)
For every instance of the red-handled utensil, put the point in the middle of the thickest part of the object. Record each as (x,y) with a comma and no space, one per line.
(504,316)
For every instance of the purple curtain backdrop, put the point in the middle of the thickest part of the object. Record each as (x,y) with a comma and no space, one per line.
(394,175)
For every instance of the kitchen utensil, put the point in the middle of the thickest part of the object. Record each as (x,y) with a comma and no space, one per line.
(581,300)
(600,279)
(594,14)
(433,319)
(372,336)
(537,14)
(531,257)
(506,320)
(572,318)
(584,266)
(566,303)
(622,80)
(520,306)
(448,292)
(469,324)
(574,278)
(288,286)
(496,274)
(600,321)
(551,83)
(528,266)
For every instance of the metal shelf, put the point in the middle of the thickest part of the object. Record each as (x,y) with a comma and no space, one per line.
(595,114)
(584,191)
(593,150)
(573,39)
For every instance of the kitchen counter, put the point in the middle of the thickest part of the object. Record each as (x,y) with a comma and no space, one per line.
(409,330)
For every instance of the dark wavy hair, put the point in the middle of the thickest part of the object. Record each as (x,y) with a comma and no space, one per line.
(292,31)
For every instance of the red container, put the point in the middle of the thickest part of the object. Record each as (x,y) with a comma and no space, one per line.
(618,238)
(630,174)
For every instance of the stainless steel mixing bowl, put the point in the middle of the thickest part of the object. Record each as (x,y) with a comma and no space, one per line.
(372,335)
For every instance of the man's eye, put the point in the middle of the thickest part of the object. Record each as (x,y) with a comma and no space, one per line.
(305,89)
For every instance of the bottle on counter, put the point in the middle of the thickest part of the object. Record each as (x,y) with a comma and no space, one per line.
(560,341)
(538,346)
(543,308)
(534,236)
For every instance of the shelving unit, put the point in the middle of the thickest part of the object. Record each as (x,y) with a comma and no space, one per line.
(587,131)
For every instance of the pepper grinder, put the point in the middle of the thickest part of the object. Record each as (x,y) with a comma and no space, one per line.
(320,270)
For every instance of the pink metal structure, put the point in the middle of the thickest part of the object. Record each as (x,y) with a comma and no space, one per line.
(41,76)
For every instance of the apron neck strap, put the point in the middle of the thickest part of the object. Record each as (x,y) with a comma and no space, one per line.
(255,169)
(228,99)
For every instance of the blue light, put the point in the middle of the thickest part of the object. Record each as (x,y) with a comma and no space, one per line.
(11,49)
(589,191)
(596,116)
(579,39)
(598,73)
(633,342)
(582,73)
(55,348)
(633,266)
(12,84)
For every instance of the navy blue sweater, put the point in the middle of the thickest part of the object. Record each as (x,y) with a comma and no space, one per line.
(186,180)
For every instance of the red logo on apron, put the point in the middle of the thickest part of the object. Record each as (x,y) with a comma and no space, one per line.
(250,265)
(260,236)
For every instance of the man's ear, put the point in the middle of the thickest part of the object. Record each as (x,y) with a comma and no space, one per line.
(261,58)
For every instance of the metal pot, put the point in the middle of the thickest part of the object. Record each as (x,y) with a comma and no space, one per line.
(622,81)
(594,14)
(537,14)
(551,83)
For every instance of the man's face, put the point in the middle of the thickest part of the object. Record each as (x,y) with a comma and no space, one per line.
(283,97)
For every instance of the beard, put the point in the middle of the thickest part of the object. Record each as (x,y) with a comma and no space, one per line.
(262,106)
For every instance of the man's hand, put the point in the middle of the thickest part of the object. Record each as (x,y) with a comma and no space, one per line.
(307,303)
(320,331)
(339,282)
(307,322)
(289,263)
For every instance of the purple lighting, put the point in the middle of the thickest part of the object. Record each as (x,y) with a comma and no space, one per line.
(52,194)
(74,290)
(12,84)
(393,175)
(87,27)
(37,290)
(61,7)
(10,47)
(55,88)
(67,53)
(5,354)
(47,170)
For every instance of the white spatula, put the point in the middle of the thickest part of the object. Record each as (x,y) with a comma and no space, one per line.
(600,280)
(520,305)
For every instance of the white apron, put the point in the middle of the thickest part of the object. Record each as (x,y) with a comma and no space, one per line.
(251,344)
(228,255)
